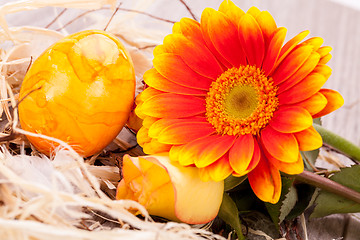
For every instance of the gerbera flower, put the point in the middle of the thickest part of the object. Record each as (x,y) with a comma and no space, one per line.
(225,95)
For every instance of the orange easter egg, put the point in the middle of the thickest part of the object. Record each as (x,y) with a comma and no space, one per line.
(80,90)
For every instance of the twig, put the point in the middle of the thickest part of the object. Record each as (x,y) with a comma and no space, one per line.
(73,20)
(56,18)
(147,14)
(112,16)
(328,185)
(189,10)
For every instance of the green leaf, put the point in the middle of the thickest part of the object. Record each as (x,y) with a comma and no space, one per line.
(230,214)
(287,201)
(329,203)
(305,193)
(231,182)
(246,200)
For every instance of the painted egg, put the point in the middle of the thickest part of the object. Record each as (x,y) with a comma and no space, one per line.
(80,90)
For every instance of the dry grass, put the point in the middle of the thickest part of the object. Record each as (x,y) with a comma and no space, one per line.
(65,196)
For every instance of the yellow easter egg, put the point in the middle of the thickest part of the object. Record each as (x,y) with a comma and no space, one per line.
(80,90)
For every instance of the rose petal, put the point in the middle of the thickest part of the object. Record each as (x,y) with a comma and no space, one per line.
(196,201)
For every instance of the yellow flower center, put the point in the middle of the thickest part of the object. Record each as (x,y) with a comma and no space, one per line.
(241,101)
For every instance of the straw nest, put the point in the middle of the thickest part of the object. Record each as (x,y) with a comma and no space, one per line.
(66,195)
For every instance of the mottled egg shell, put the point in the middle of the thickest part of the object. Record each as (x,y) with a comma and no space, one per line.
(80,90)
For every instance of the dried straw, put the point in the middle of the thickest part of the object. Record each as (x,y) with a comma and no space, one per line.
(62,196)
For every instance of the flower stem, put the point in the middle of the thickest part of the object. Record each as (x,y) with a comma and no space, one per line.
(328,185)
(344,146)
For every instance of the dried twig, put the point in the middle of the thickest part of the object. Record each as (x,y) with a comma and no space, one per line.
(147,14)
(112,16)
(56,18)
(189,10)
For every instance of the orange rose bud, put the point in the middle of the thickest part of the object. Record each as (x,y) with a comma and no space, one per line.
(169,190)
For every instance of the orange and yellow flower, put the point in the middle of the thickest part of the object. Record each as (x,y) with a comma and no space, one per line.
(169,190)
(225,95)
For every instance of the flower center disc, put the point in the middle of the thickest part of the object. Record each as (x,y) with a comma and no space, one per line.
(241,101)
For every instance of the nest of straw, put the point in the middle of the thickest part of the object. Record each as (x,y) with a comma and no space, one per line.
(66,195)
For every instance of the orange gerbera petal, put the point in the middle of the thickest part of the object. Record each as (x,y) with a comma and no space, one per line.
(289,168)
(305,69)
(252,40)
(291,63)
(176,28)
(325,59)
(316,42)
(289,119)
(334,101)
(273,50)
(282,146)
(242,153)
(196,55)
(147,93)
(323,51)
(191,30)
(174,153)
(265,181)
(323,69)
(313,104)
(205,26)
(155,144)
(143,136)
(214,150)
(267,25)
(158,126)
(148,121)
(290,45)
(154,79)
(184,132)
(172,67)
(253,11)
(170,105)
(223,34)
(220,169)
(232,11)
(308,139)
(303,90)
(192,150)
